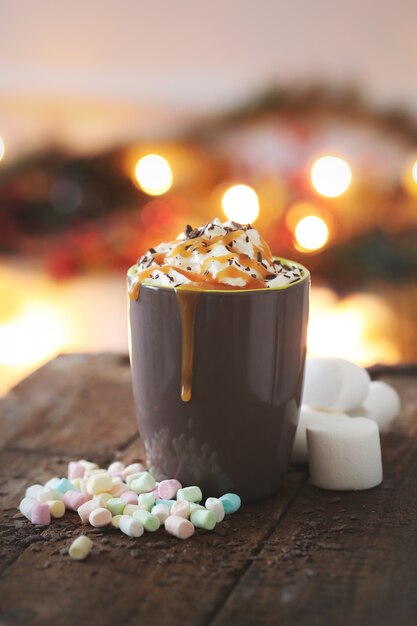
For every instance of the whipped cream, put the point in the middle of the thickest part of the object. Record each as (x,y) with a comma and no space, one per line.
(218,255)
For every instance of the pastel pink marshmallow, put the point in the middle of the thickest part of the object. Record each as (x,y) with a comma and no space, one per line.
(75,470)
(85,509)
(130,497)
(40,514)
(100,517)
(167,489)
(181,508)
(74,499)
(179,527)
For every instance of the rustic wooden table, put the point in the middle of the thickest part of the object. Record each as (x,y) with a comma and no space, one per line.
(304,556)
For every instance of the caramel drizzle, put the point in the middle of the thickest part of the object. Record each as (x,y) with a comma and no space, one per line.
(203,246)
(187,302)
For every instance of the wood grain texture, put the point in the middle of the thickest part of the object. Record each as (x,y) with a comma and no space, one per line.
(75,404)
(342,558)
(305,556)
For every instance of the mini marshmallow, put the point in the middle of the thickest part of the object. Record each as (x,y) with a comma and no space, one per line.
(75,470)
(49,494)
(203,519)
(133,468)
(82,486)
(88,465)
(179,527)
(181,508)
(307,416)
(131,477)
(345,455)
(115,520)
(144,483)
(80,548)
(161,511)
(100,517)
(194,506)
(215,505)
(119,488)
(191,494)
(57,508)
(231,502)
(94,472)
(98,483)
(130,497)
(130,526)
(77,482)
(103,498)
(382,404)
(74,499)
(25,506)
(85,509)
(34,490)
(334,384)
(150,522)
(116,468)
(168,503)
(115,506)
(167,489)
(40,514)
(146,500)
(64,485)
(131,508)
(52,483)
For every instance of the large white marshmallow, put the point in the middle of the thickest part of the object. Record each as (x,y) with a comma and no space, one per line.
(382,404)
(309,416)
(345,455)
(335,384)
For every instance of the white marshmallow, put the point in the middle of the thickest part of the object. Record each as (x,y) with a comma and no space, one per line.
(307,416)
(34,491)
(344,454)
(216,505)
(25,507)
(382,404)
(335,384)
(130,527)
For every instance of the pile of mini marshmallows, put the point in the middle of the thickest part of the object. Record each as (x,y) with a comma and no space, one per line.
(123,497)
(340,420)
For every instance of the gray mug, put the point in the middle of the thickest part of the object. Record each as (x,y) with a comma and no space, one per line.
(245,381)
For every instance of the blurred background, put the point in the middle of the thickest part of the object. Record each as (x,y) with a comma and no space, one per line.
(121,121)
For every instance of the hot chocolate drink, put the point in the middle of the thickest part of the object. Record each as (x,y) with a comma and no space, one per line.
(217,342)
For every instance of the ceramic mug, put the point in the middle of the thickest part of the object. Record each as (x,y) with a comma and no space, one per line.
(236,431)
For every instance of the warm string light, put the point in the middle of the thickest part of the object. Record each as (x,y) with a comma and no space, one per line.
(2,148)
(414,172)
(311,233)
(331,176)
(153,174)
(240,204)
(35,335)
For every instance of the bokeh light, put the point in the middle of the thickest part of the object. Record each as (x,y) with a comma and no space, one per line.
(154,174)
(35,335)
(331,176)
(414,172)
(240,204)
(311,233)
(2,148)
